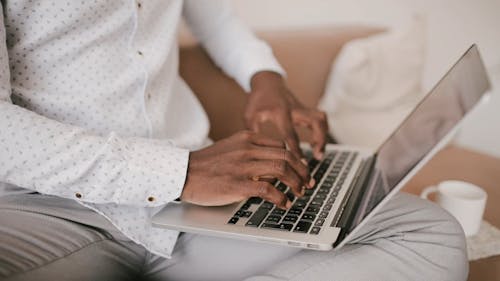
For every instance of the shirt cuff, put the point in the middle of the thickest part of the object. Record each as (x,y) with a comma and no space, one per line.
(155,173)
(254,63)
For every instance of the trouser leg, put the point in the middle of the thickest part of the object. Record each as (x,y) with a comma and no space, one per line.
(409,239)
(49,238)
(200,257)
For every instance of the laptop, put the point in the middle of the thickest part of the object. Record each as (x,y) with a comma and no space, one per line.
(352,183)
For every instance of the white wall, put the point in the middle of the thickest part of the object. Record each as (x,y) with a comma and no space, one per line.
(452,26)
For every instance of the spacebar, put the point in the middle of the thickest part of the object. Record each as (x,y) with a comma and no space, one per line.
(283,226)
(258,217)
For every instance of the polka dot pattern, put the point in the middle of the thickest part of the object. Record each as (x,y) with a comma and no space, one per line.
(86,98)
(92,106)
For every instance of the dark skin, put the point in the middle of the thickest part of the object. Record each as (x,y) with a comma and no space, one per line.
(236,168)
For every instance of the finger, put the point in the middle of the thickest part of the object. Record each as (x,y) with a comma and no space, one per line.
(269,179)
(287,131)
(317,122)
(278,169)
(319,128)
(261,140)
(267,192)
(254,125)
(268,153)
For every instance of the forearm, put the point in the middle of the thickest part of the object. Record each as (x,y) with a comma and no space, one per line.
(230,43)
(58,159)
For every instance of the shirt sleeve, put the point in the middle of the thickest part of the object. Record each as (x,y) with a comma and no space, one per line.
(231,45)
(53,158)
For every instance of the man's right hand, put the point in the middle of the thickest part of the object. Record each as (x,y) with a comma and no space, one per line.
(229,171)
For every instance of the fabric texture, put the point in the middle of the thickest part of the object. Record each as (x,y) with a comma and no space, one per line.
(374,83)
(48,238)
(92,106)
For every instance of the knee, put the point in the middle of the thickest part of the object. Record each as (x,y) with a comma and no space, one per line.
(29,241)
(440,237)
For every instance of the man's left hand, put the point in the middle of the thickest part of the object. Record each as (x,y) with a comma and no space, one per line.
(271,100)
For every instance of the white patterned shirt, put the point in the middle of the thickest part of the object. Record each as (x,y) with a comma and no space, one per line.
(92,106)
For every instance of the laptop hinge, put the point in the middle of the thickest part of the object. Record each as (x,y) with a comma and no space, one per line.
(351,202)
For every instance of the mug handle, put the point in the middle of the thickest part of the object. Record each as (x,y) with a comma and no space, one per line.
(428,190)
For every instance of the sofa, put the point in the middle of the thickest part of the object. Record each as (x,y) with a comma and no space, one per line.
(307,56)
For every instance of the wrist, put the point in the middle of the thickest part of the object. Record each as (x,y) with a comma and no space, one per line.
(265,79)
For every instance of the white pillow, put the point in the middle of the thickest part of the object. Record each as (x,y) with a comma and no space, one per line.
(374,83)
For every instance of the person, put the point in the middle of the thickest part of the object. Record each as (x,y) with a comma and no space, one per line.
(98,132)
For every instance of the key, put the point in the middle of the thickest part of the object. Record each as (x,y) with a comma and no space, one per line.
(302,226)
(316,203)
(233,220)
(290,196)
(246,214)
(278,212)
(282,187)
(323,215)
(294,211)
(326,186)
(282,226)
(318,176)
(267,205)
(258,217)
(315,230)
(290,218)
(328,181)
(320,196)
(305,198)
(312,164)
(272,218)
(300,204)
(286,226)
(254,200)
(312,209)
(320,222)
(323,190)
(309,192)
(308,217)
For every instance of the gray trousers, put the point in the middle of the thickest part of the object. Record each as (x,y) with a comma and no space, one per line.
(49,238)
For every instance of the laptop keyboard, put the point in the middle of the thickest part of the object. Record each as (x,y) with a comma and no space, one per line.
(308,213)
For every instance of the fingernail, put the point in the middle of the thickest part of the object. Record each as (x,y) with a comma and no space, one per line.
(312,182)
(302,191)
(288,204)
(303,160)
(319,155)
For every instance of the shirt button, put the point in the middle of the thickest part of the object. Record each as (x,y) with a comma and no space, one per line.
(139,53)
(149,96)
(139,5)
(151,199)
(78,195)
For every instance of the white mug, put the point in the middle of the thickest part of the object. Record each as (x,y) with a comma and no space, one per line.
(463,200)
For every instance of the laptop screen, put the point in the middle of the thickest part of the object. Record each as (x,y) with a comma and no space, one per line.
(433,118)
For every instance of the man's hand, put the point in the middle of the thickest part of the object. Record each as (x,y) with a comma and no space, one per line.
(229,171)
(271,100)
